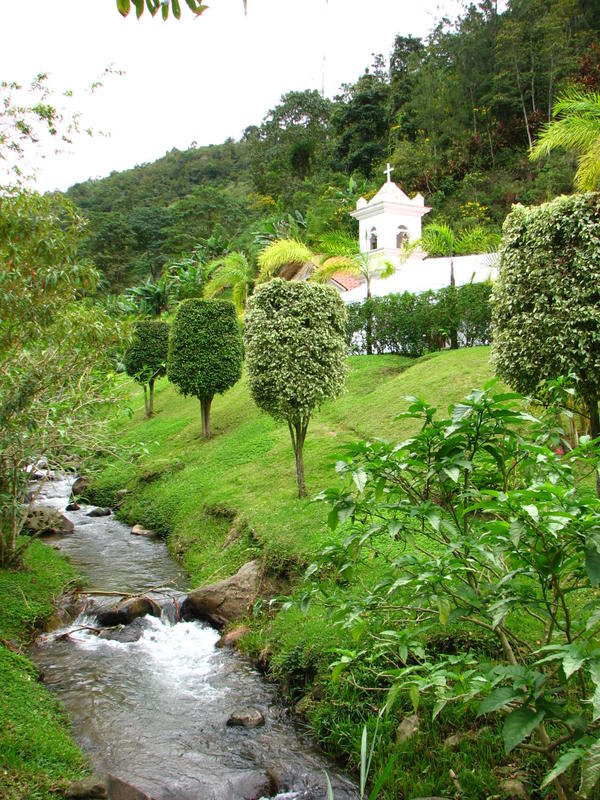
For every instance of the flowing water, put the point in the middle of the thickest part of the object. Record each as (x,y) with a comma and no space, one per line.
(153,711)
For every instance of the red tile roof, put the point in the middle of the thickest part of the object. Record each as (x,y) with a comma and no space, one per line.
(345,280)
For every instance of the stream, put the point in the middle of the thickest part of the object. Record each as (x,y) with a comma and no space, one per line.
(153,711)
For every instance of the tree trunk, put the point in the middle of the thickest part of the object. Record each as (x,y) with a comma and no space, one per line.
(453,331)
(150,409)
(369,326)
(592,404)
(205,404)
(146,399)
(298,433)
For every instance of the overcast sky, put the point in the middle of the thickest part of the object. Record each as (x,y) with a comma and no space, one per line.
(201,80)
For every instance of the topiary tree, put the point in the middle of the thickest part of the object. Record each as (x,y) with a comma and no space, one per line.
(205,351)
(546,309)
(295,344)
(146,357)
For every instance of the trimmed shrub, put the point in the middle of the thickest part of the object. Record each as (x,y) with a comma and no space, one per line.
(413,324)
(546,319)
(205,351)
(146,357)
(295,354)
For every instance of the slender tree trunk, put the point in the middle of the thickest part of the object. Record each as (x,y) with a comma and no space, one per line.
(150,410)
(522,96)
(592,404)
(146,400)
(369,326)
(205,404)
(298,433)
(453,330)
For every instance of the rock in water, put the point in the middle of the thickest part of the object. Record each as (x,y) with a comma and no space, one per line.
(73,507)
(119,789)
(80,486)
(225,601)
(127,610)
(138,530)
(47,521)
(230,638)
(99,512)
(88,789)
(246,718)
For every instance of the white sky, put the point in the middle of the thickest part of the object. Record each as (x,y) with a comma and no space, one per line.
(200,80)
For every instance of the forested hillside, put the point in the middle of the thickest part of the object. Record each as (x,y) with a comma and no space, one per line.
(455,114)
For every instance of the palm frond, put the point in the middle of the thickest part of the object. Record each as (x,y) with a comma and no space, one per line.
(334,265)
(338,244)
(282,253)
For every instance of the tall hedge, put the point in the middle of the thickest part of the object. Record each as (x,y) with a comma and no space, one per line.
(205,351)
(294,334)
(146,356)
(413,324)
(546,316)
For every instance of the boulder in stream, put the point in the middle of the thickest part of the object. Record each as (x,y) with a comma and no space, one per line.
(138,530)
(80,486)
(225,601)
(118,789)
(99,511)
(231,638)
(127,610)
(91,788)
(246,718)
(45,521)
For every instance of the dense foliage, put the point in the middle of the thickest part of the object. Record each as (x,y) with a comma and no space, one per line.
(294,336)
(413,324)
(146,356)
(205,351)
(482,538)
(58,350)
(455,114)
(546,317)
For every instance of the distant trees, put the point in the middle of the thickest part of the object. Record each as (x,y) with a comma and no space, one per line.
(205,351)
(146,357)
(294,336)
(546,314)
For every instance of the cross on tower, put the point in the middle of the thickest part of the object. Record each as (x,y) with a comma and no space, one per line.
(388,172)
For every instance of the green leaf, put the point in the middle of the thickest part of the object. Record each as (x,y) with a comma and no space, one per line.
(329,788)
(413,693)
(562,765)
(590,769)
(124,7)
(377,786)
(176,9)
(592,563)
(453,473)
(165,9)
(572,660)
(532,511)
(519,724)
(139,7)
(444,610)
(153,6)
(498,698)
(359,477)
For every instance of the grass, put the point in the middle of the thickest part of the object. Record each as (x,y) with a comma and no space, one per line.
(195,491)
(38,758)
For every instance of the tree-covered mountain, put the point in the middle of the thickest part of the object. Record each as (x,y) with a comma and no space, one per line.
(455,114)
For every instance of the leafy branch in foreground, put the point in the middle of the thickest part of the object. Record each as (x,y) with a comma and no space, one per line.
(153,6)
(481,525)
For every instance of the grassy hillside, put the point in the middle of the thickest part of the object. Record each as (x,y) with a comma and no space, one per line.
(183,485)
(196,491)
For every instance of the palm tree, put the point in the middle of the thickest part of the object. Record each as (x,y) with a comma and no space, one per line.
(231,271)
(576,127)
(342,254)
(438,239)
(283,258)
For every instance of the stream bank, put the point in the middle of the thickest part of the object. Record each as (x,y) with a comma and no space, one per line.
(152,708)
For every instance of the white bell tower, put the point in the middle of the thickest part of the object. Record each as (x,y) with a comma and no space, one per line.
(388,220)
